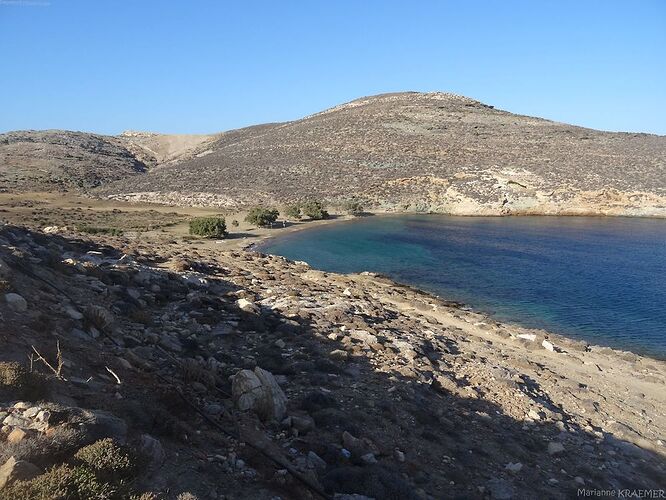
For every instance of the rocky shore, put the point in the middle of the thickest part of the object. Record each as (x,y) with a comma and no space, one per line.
(240,375)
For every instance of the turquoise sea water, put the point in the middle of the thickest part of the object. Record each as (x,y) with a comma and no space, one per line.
(598,279)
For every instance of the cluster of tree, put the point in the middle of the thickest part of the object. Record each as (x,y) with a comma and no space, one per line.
(209,227)
(312,209)
(262,216)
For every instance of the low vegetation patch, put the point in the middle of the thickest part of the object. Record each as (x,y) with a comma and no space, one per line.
(209,227)
(262,216)
(63,481)
(107,459)
(110,231)
(102,470)
(16,382)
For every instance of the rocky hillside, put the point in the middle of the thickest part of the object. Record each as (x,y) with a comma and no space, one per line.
(418,151)
(407,151)
(146,366)
(57,160)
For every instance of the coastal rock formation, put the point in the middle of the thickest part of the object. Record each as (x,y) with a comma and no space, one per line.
(386,392)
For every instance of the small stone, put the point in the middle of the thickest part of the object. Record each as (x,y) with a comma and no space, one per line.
(515,468)
(303,424)
(152,448)
(399,455)
(43,416)
(500,489)
(534,415)
(315,461)
(73,313)
(579,480)
(280,343)
(16,302)
(31,412)
(213,409)
(16,421)
(17,435)
(548,346)
(248,306)
(527,336)
(554,448)
(369,459)
(124,363)
(339,354)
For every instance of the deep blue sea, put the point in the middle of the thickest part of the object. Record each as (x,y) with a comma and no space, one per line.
(598,279)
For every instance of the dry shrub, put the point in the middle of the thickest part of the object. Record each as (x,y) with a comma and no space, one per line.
(63,481)
(44,450)
(16,382)
(108,460)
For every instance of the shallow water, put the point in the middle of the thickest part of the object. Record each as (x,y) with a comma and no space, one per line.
(598,279)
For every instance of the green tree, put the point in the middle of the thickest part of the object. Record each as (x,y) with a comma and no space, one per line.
(293,211)
(210,227)
(262,216)
(314,209)
(353,207)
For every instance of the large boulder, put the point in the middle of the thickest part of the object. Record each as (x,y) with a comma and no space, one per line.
(259,392)
(16,302)
(17,470)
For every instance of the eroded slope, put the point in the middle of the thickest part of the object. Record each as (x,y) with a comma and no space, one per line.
(431,151)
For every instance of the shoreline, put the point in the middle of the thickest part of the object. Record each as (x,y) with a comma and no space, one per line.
(366,365)
(561,337)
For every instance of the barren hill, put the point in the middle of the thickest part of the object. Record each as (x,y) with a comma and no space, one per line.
(54,160)
(406,151)
(159,149)
(431,151)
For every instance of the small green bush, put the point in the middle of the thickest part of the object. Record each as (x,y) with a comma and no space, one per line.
(353,207)
(314,209)
(234,223)
(61,482)
(293,211)
(262,216)
(209,227)
(108,460)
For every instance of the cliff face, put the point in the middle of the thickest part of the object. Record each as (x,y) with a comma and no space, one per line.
(408,151)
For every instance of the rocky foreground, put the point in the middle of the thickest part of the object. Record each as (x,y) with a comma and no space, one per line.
(239,375)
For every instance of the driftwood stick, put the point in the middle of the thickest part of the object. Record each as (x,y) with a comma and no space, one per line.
(57,371)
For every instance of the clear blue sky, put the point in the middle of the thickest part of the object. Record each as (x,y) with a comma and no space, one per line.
(204,66)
